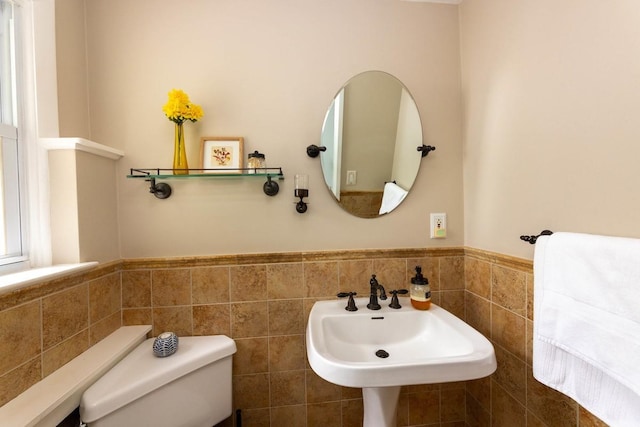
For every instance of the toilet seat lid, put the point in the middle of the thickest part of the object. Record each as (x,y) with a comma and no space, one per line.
(140,372)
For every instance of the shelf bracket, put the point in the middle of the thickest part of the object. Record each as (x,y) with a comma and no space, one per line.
(161,190)
(270,187)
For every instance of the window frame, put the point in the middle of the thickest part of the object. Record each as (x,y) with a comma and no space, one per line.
(14,171)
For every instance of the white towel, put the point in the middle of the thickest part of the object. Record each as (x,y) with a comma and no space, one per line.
(586,337)
(391,197)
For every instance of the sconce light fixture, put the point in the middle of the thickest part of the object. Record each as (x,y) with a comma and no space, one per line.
(301,191)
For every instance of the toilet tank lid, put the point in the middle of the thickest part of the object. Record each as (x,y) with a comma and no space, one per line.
(140,373)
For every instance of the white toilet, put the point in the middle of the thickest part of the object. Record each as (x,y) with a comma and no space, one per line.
(191,388)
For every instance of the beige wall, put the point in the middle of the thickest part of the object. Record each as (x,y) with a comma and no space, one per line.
(267,71)
(63,188)
(550,95)
(71,59)
(84,207)
(97,208)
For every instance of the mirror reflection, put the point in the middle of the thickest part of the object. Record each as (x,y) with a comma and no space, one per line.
(371,131)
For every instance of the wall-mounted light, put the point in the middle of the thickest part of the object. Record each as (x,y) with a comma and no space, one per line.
(301,191)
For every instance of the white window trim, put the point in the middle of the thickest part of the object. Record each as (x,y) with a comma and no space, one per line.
(81,144)
(40,118)
(16,185)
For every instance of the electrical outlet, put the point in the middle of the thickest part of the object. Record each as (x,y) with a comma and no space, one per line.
(438,225)
(352,177)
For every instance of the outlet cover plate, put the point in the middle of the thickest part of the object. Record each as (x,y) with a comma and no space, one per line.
(438,225)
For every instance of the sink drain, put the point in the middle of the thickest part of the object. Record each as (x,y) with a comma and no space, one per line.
(382,354)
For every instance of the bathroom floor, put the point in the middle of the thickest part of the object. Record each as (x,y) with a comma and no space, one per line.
(72,420)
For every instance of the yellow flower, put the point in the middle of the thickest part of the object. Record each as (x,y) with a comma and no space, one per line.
(179,108)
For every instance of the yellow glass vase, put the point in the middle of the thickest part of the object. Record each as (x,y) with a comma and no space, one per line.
(180,165)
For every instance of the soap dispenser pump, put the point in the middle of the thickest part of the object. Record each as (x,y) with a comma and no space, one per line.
(420,291)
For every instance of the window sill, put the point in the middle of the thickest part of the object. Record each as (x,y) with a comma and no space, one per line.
(14,281)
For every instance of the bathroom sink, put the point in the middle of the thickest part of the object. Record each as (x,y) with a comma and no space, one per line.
(394,347)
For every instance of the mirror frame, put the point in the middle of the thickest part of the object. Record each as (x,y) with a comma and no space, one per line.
(392,194)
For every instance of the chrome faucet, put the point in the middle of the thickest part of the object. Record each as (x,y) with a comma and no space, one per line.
(373,297)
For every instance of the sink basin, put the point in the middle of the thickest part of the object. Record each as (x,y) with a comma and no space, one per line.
(384,349)
(423,346)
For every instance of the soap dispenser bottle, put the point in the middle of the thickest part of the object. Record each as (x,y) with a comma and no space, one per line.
(420,291)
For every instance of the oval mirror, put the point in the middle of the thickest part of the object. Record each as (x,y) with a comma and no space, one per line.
(371,131)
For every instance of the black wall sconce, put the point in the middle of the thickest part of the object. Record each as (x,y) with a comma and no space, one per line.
(301,191)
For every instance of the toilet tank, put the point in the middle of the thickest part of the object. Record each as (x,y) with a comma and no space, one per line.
(190,388)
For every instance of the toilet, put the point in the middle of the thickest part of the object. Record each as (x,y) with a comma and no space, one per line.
(191,388)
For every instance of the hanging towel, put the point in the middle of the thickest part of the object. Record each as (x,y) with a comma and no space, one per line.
(586,336)
(391,197)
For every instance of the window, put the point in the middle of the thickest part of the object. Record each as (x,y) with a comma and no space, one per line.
(12,190)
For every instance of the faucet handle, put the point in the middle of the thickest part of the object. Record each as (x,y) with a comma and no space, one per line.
(351,304)
(395,303)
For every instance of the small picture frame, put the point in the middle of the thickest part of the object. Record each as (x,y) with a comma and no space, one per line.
(221,154)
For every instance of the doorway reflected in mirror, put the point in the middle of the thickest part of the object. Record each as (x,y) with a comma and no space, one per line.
(371,130)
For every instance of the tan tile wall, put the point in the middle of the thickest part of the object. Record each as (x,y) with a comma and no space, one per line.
(263,302)
(44,326)
(499,303)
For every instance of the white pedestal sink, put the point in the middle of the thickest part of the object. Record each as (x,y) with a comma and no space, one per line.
(385,349)
(380,406)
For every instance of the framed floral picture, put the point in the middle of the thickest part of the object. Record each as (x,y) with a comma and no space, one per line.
(221,154)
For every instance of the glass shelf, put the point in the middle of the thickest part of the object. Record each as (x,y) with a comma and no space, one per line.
(208,173)
(162,190)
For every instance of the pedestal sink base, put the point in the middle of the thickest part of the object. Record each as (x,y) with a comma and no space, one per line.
(380,406)
(381,350)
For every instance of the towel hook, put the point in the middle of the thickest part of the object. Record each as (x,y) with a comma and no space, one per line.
(532,239)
